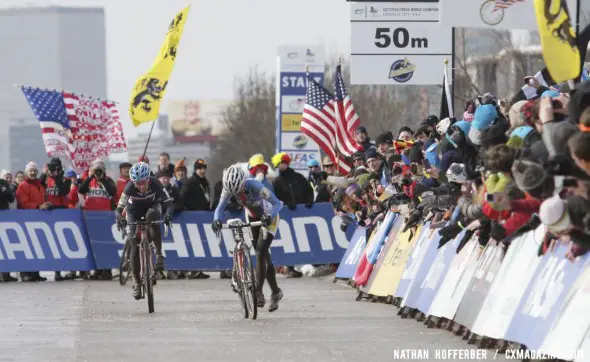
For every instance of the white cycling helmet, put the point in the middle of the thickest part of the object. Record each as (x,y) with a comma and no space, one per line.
(234,179)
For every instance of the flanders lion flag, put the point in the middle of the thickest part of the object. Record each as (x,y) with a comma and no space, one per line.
(149,89)
(558,39)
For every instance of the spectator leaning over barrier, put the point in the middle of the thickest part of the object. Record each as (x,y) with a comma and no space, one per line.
(99,191)
(56,192)
(123,179)
(7,197)
(166,180)
(164,163)
(30,194)
(291,188)
(196,195)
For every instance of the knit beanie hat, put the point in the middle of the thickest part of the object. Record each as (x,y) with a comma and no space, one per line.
(553,213)
(31,165)
(97,164)
(516,116)
(443,126)
(179,166)
(385,137)
(280,158)
(528,175)
(483,118)
(255,160)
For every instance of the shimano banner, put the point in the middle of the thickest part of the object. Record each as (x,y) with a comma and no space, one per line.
(305,236)
(32,240)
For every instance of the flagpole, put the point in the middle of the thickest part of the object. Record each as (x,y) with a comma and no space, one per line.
(148,140)
(338,171)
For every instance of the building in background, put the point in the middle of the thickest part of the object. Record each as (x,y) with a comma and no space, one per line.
(47,47)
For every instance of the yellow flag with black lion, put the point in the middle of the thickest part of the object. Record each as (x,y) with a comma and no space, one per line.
(558,40)
(150,88)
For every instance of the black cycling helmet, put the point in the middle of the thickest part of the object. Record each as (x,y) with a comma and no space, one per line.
(124,164)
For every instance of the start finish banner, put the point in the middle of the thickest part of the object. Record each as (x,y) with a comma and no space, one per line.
(292,61)
(73,240)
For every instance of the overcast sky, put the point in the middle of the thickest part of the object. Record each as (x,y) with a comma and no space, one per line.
(221,40)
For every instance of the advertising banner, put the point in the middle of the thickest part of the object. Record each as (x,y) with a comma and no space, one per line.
(516,271)
(450,293)
(414,261)
(33,240)
(349,261)
(543,298)
(494,14)
(373,286)
(292,61)
(479,286)
(567,334)
(305,236)
(197,121)
(398,43)
(421,268)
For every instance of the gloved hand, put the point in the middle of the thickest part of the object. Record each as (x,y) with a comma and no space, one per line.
(168,220)
(309,205)
(216,226)
(497,232)
(121,222)
(292,207)
(465,240)
(266,220)
(448,233)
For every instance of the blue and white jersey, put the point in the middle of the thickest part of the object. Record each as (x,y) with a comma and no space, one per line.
(256,198)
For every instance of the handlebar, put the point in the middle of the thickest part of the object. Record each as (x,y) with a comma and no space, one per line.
(143,222)
(239,226)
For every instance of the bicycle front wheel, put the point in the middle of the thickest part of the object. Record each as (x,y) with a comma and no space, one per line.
(249,282)
(148,273)
(125,264)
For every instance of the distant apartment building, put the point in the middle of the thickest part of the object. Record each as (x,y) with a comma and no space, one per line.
(47,47)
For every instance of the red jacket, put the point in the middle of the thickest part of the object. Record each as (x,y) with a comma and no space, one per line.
(121,183)
(73,197)
(52,192)
(98,197)
(30,194)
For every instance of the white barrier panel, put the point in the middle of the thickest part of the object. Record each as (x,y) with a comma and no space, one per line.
(451,291)
(515,273)
(584,351)
(569,330)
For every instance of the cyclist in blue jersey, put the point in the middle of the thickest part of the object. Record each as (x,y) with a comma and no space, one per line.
(260,205)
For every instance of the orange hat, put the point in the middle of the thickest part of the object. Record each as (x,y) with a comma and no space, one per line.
(180,165)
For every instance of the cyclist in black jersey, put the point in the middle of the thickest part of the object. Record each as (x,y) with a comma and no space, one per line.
(143,197)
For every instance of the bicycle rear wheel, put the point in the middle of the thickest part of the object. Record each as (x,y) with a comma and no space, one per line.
(125,264)
(249,282)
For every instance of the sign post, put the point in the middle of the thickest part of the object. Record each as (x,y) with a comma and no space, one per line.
(290,100)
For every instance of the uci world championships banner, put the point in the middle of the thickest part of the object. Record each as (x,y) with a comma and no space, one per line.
(290,100)
(398,43)
(73,240)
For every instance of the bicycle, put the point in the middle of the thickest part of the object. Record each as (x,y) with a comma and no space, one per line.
(146,259)
(125,264)
(243,280)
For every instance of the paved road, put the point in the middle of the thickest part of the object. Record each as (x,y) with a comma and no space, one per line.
(199,320)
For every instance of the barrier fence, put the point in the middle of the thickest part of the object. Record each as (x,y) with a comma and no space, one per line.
(511,295)
(74,240)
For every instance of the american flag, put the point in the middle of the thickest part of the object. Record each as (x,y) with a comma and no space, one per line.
(347,121)
(319,122)
(76,128)
(503,4)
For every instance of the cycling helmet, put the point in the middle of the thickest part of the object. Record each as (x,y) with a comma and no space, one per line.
(140,171)
(234,179)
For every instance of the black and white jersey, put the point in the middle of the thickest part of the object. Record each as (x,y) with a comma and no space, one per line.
(133,198)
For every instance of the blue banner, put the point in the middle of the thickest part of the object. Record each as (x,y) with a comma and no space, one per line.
(542,301)
(305,236)
(353,254)
(34,240)
(411,264)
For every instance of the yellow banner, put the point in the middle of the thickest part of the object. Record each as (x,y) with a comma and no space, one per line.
(150,88)
(291,122)
(391,271)
(558,40)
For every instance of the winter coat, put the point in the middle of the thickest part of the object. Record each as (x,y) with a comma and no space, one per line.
(175,194)
(195,194)
(6,195)
(99,194)
(56,190)
(292,188)
(30,194)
